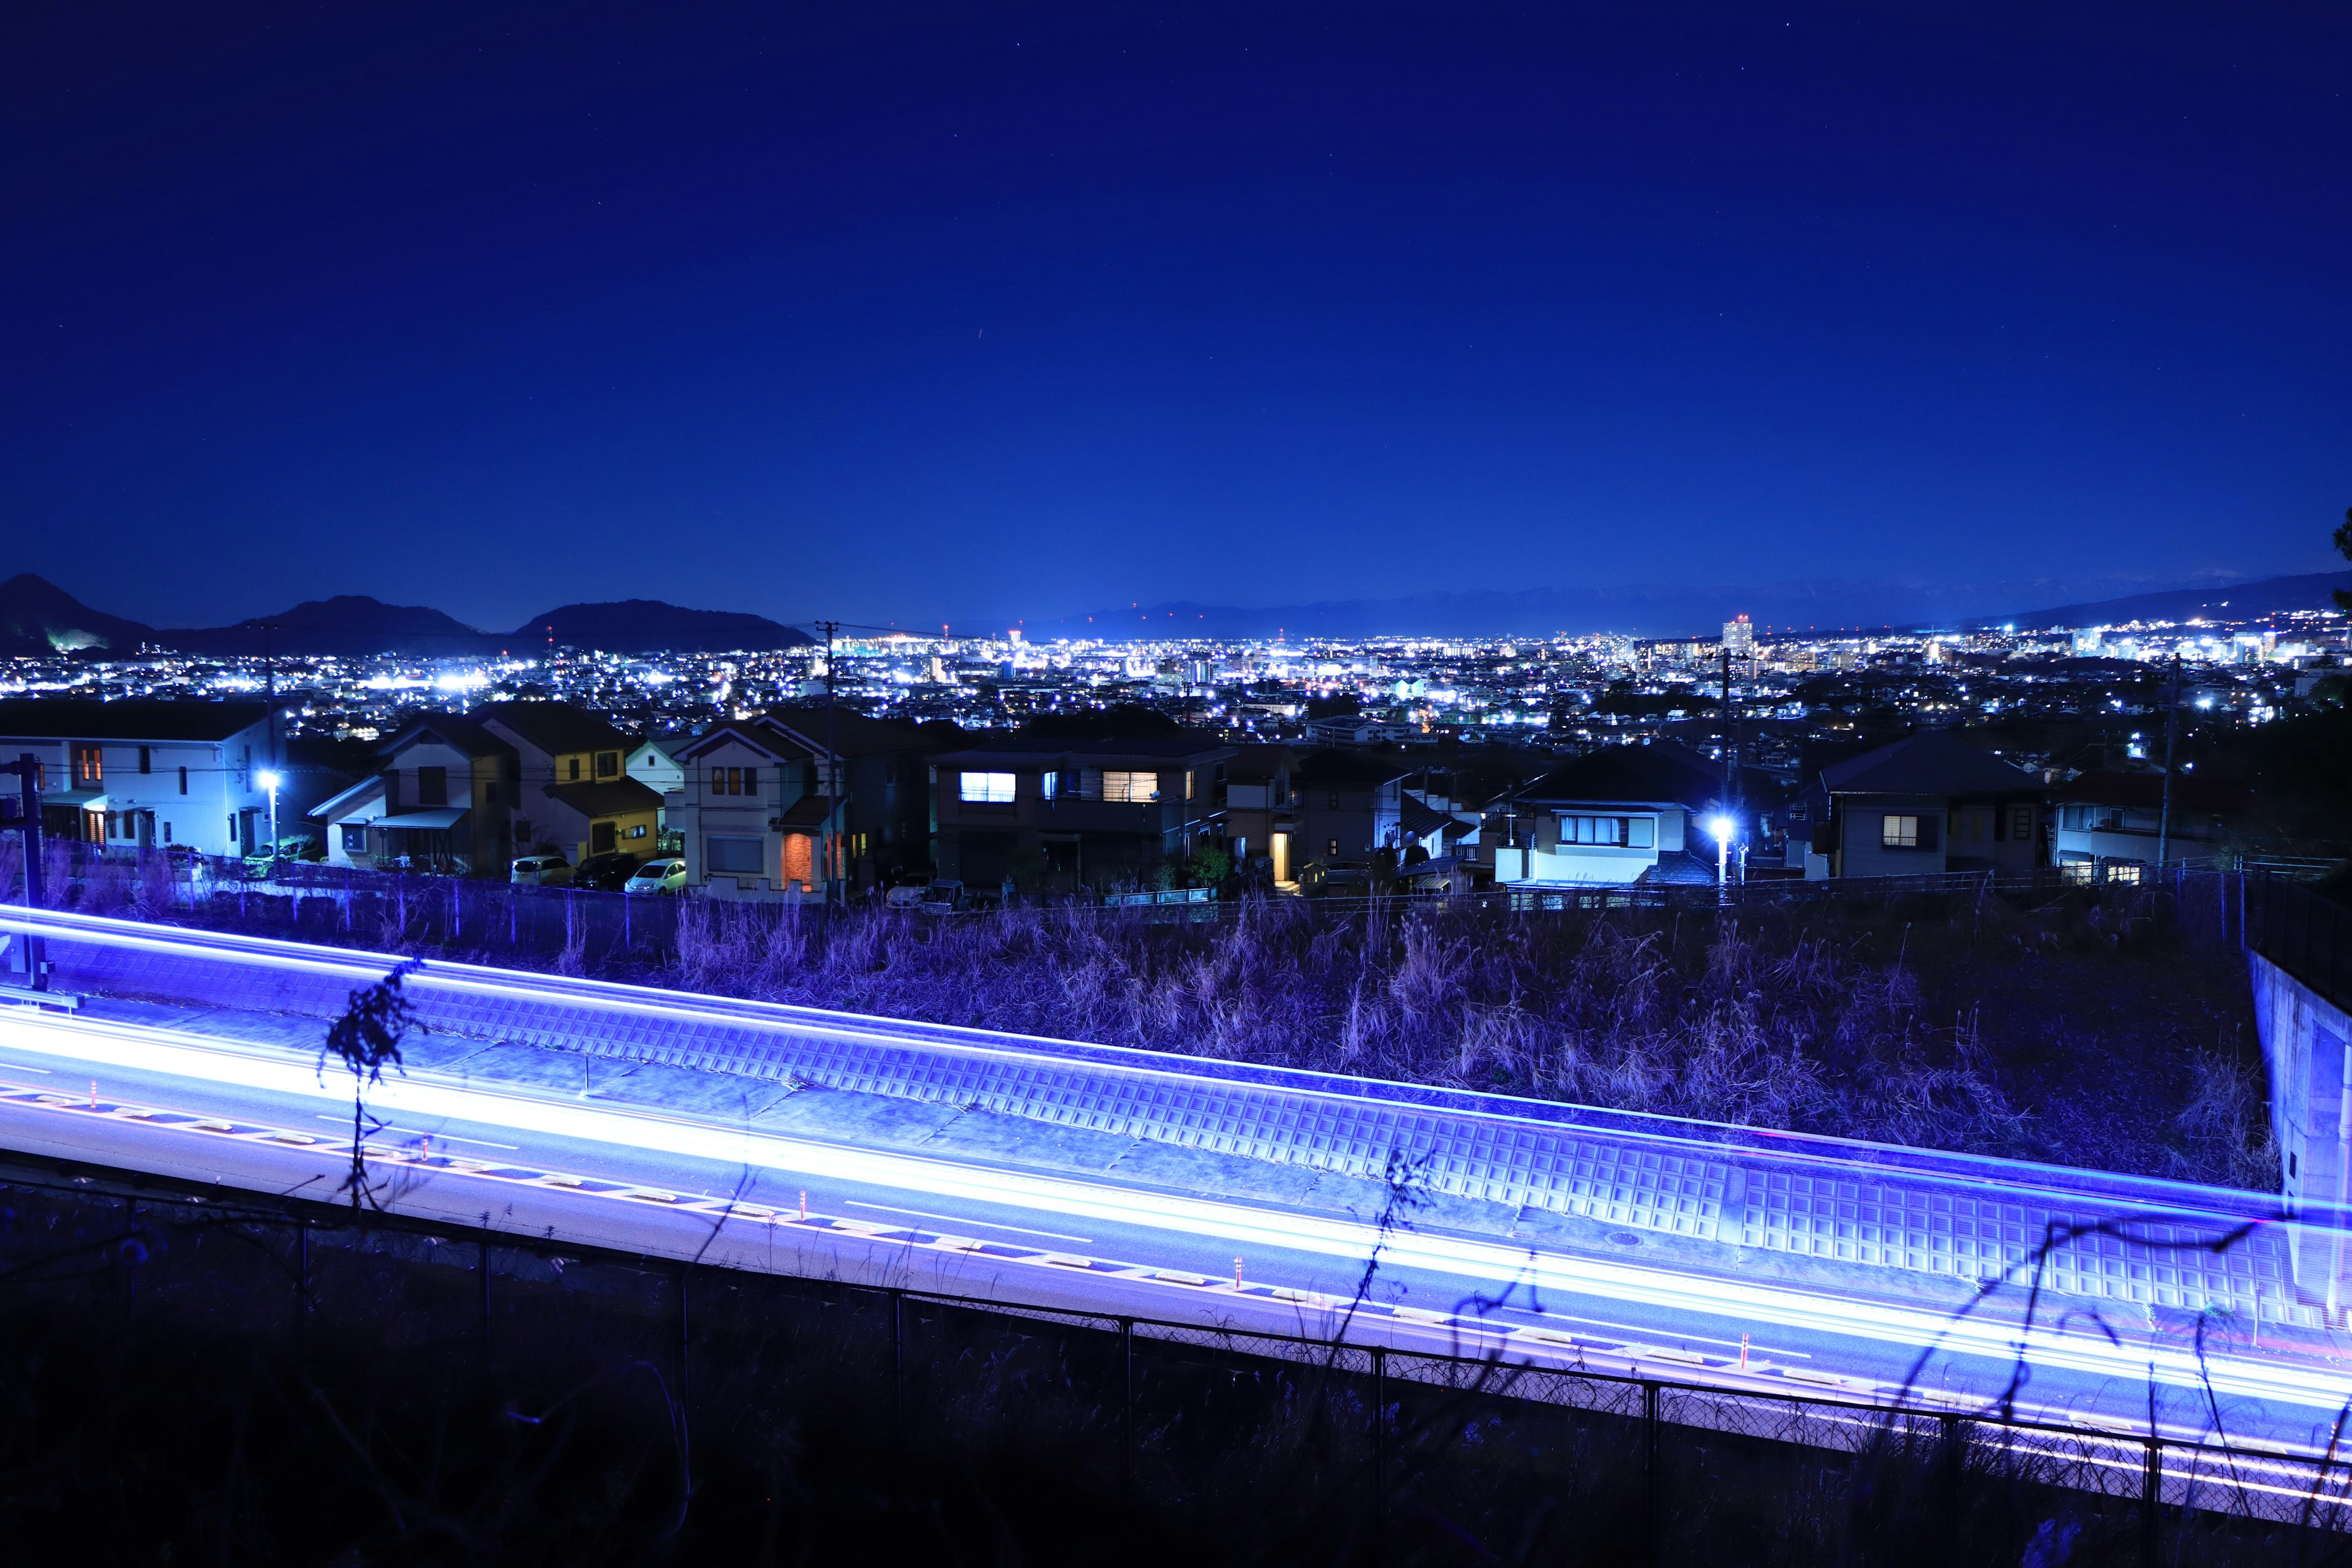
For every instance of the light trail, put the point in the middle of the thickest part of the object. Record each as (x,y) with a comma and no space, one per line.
(100,1043)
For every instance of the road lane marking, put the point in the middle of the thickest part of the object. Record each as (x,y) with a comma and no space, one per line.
(959,1219)
(419,1132)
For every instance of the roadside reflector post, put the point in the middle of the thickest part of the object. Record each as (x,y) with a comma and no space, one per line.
(803,1202)
(1743,1352)
(1237,1273)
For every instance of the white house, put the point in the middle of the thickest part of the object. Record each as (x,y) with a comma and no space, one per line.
(140,773)
(1614,816)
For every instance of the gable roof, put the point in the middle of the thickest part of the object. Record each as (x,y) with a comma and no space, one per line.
(757,734)
(552,727)
(1933,762)
(604,797)
(2145,790)
(853,734)
(460,734)
(1665,772)
(131,719)
(1060,752)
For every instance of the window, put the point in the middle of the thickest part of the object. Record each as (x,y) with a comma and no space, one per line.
(354,837)
(734,780)
(432,786)
(146,760)
(1049,786)
(167,833)
(2125,872)
(733,856)
(637,831)
(1131,787)
(1333,852)
(183,781)
(988,789)
(1335,800)
(1605,831)
(89,767)
(751,781)
(608,765)
(602,838)
(1898,832)
(573,766)
(1188,777)
(2020,822)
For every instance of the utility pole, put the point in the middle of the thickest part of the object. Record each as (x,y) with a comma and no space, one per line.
(1730,770)
(832,768)
(2171,732)
(269,685)
(28,770)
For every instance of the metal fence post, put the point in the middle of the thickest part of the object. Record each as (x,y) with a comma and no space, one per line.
(898,1370)
(1380,1443)
(1127,1408)
(1654,1538)
(2151,1516)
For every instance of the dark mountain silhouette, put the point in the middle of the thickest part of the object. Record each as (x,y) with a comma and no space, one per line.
(648,625)
(36,617)
(2238,602)
(349,625)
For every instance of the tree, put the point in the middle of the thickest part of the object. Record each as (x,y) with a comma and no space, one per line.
(2344,548)
(366,1039)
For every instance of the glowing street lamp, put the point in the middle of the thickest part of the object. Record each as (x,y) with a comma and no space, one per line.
(1725,829)
(268,779)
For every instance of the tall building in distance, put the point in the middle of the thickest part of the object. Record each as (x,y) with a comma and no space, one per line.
(1739,642)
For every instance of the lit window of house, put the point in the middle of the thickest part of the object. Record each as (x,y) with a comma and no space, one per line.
(1898,832)
(1129,786)
(987,789)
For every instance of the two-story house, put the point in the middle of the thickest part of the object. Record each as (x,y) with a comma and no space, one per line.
(443,801)
(140,773)
(572,795)
(884,784)
(1349,803)
(1927,803)
(1623,814)
(752,813)
(2107,823)
(1260,814)
(1056,813)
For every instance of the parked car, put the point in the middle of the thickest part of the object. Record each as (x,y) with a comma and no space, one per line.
(605,873)
(541,871)
(944,896)
(662,876)
(296,847)
(907,896)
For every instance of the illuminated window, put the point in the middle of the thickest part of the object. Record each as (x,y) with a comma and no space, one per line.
(89,767)
(1131,787)
(2126,872)
(1189,785)
(1610,832)
(1898,832)
(987,789)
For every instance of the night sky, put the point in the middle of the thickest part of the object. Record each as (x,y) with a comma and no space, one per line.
(969,313)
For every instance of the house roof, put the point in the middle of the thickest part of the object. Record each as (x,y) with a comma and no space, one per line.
(552,727)
(460,734)
(853,734)
(1326,768)
(1664,772)
(2145,790)
(352,798)
(1935,762)
(1420,818)
(1258,761)
(809,811)
(131,719)
(757,734)
(604,797)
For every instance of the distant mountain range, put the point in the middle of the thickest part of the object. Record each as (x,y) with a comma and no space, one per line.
(1675,610)
(38,616)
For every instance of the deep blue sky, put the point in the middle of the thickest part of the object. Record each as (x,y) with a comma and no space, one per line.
(979,312)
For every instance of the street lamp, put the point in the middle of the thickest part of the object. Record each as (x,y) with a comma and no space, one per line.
(1725,829)
(267,779)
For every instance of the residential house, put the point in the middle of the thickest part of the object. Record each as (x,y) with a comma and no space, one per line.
(572,797)
(1929,802)
(883,785)
(752,813)
(654,763)
(140,773)
(1260,813)
(443,801)
(1349,803)
(2106,825)
(1623,814)
(1061,813)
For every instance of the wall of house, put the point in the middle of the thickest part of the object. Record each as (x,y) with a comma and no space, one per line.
(1860,828)
(220,787)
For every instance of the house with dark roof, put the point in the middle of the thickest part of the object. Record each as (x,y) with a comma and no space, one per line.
(884,784)
(1259,808)
(1349,803)
(753,814)
(2107,823)
(572,794)
(1927,803)
(443,800)
(1059,812)
(1623,814)
(139,774)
